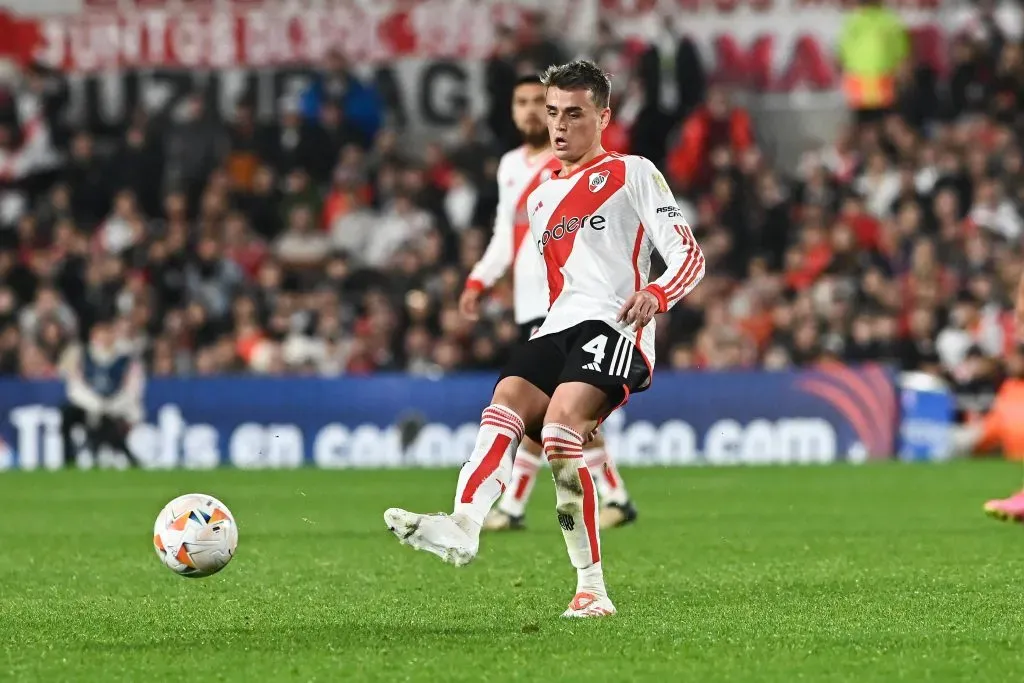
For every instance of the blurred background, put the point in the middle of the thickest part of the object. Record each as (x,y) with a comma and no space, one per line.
(299,188)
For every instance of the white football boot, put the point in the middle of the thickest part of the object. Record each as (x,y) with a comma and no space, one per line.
(585,605)
(497,520)
(438,534)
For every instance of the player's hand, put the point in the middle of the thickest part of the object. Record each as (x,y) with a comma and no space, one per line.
(469,304)
(639,309)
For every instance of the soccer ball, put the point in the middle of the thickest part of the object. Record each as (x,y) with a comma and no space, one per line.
(195,535)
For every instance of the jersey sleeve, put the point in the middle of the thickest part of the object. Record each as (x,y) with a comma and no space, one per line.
(668,230)
(499,252)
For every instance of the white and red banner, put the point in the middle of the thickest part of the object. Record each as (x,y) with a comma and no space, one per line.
(126,53)
(777,45)
(254,33)
(774,46)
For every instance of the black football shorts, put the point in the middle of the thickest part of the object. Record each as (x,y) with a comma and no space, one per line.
(591,352)
(526,330)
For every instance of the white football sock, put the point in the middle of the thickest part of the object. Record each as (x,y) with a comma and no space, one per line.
(591,580)
(524,477)
(576,504)
(610,488)
(484,476)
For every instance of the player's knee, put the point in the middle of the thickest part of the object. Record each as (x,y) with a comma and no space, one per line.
(578,406)
(504,394)
(522,398)
(560,416)
(568,415)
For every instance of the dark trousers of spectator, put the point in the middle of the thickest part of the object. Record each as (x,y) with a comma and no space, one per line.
(108,431)
(870,117)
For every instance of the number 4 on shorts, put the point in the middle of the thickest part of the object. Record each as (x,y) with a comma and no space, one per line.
(622,357)
(596,347)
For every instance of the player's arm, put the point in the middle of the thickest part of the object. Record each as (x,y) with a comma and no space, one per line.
(664,223)
(496,259)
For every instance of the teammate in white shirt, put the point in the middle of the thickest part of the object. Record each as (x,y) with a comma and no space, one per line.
(519,173)
(596,223)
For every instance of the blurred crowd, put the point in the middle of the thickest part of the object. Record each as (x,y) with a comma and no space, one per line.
(321,244)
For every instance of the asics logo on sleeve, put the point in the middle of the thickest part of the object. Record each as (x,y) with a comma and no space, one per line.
(568,225)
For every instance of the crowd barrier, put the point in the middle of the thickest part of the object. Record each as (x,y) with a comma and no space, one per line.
(832,414)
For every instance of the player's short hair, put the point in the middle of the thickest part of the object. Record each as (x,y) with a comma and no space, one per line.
(580,74)
(528,79)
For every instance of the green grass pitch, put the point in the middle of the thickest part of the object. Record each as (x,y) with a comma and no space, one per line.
(877,573)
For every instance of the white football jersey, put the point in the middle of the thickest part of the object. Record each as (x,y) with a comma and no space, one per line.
(510,245)
(596,229)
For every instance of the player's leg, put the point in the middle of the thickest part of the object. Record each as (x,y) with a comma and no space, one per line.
(455,538)
(70,417)
(602,368)
(574,411)
(1007,509)
(517,408)
(114,433)
(510,512)
(616,507)
(968,439)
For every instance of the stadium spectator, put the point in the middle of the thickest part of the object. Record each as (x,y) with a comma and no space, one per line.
(358,103)
(873,49)
(716,128)
(500,74)
(104,394)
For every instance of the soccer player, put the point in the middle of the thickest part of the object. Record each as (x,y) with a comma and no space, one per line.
(1001,422)
(519,173)
(596,223)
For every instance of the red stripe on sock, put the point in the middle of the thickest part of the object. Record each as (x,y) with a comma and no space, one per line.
(500,419)
(560,452)
(501,424)
(522,485)
(562,447)
(590,513)
(559,447)
(504,423)
(564,456)
(609,474)
(488,465)
(563,442)
(504,415)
